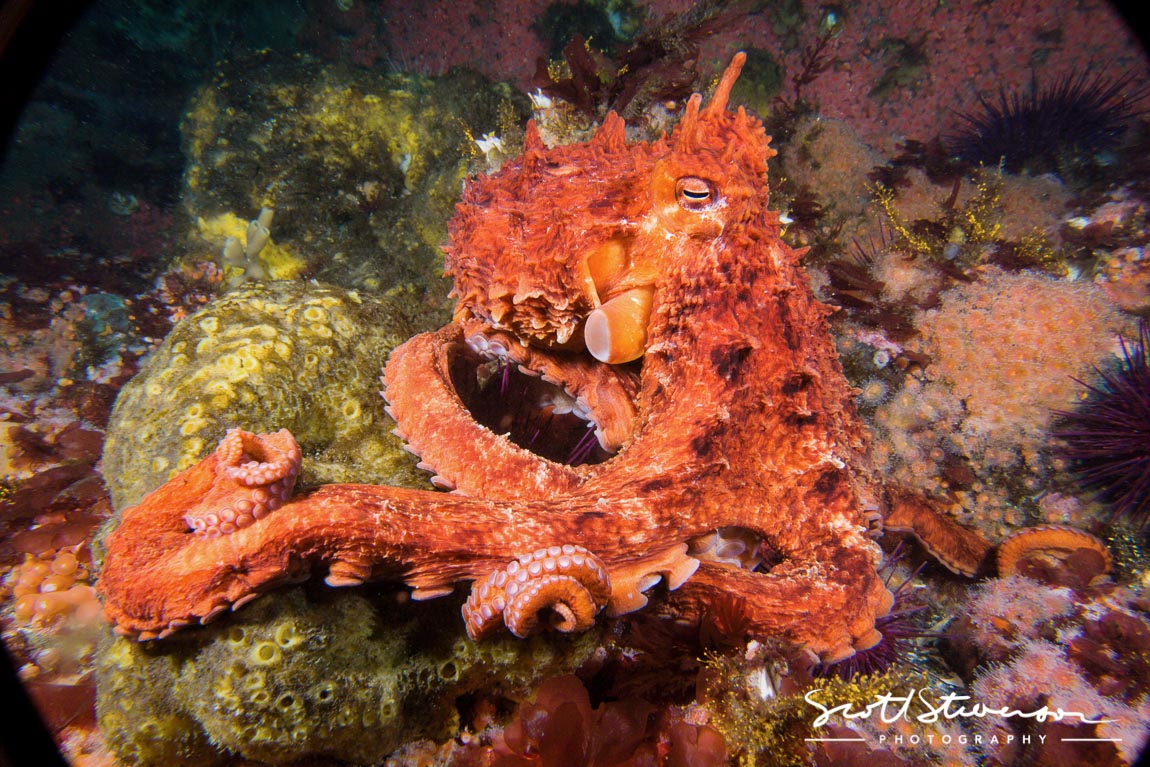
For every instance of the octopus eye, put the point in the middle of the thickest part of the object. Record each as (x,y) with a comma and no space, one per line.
(694,193)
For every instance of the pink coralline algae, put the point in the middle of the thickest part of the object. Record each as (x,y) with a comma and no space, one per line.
(892,70)
(432,37)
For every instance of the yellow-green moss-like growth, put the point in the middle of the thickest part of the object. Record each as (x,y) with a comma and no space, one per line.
(311,673)
(773,730)
(293,678)
(962,232)
(137,709)
(279,355)
(363,170)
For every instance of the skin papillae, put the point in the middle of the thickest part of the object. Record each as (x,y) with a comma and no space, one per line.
(740,418)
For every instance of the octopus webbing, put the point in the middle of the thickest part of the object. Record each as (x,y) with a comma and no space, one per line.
(646,287)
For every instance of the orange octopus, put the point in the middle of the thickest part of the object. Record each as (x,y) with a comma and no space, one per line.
(645,287)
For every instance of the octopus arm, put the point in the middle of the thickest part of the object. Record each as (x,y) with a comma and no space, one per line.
(160,576)
(465,455)
(827,603)
(961,550)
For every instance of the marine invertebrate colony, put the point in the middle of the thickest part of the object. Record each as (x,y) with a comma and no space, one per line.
(1108,437)
(315,673)
(997,344)
(1058,639)
(250,359)
(565,262)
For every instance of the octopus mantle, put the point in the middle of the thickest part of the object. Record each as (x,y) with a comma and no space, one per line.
(739,421)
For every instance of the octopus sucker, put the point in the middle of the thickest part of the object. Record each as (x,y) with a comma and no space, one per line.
(631,581)
(568,582)
(722,420)
(255,477)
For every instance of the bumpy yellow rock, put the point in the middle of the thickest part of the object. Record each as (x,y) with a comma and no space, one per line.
(267,356)
(324,673)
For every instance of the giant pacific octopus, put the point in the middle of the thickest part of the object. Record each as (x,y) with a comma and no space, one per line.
(645,287)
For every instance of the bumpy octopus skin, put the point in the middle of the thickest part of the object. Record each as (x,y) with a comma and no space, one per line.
(739,418)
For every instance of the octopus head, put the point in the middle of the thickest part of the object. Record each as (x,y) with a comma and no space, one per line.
(712,180)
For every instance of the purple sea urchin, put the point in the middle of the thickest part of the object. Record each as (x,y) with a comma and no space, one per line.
(1036,130)
(1108,437)
(899,629)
